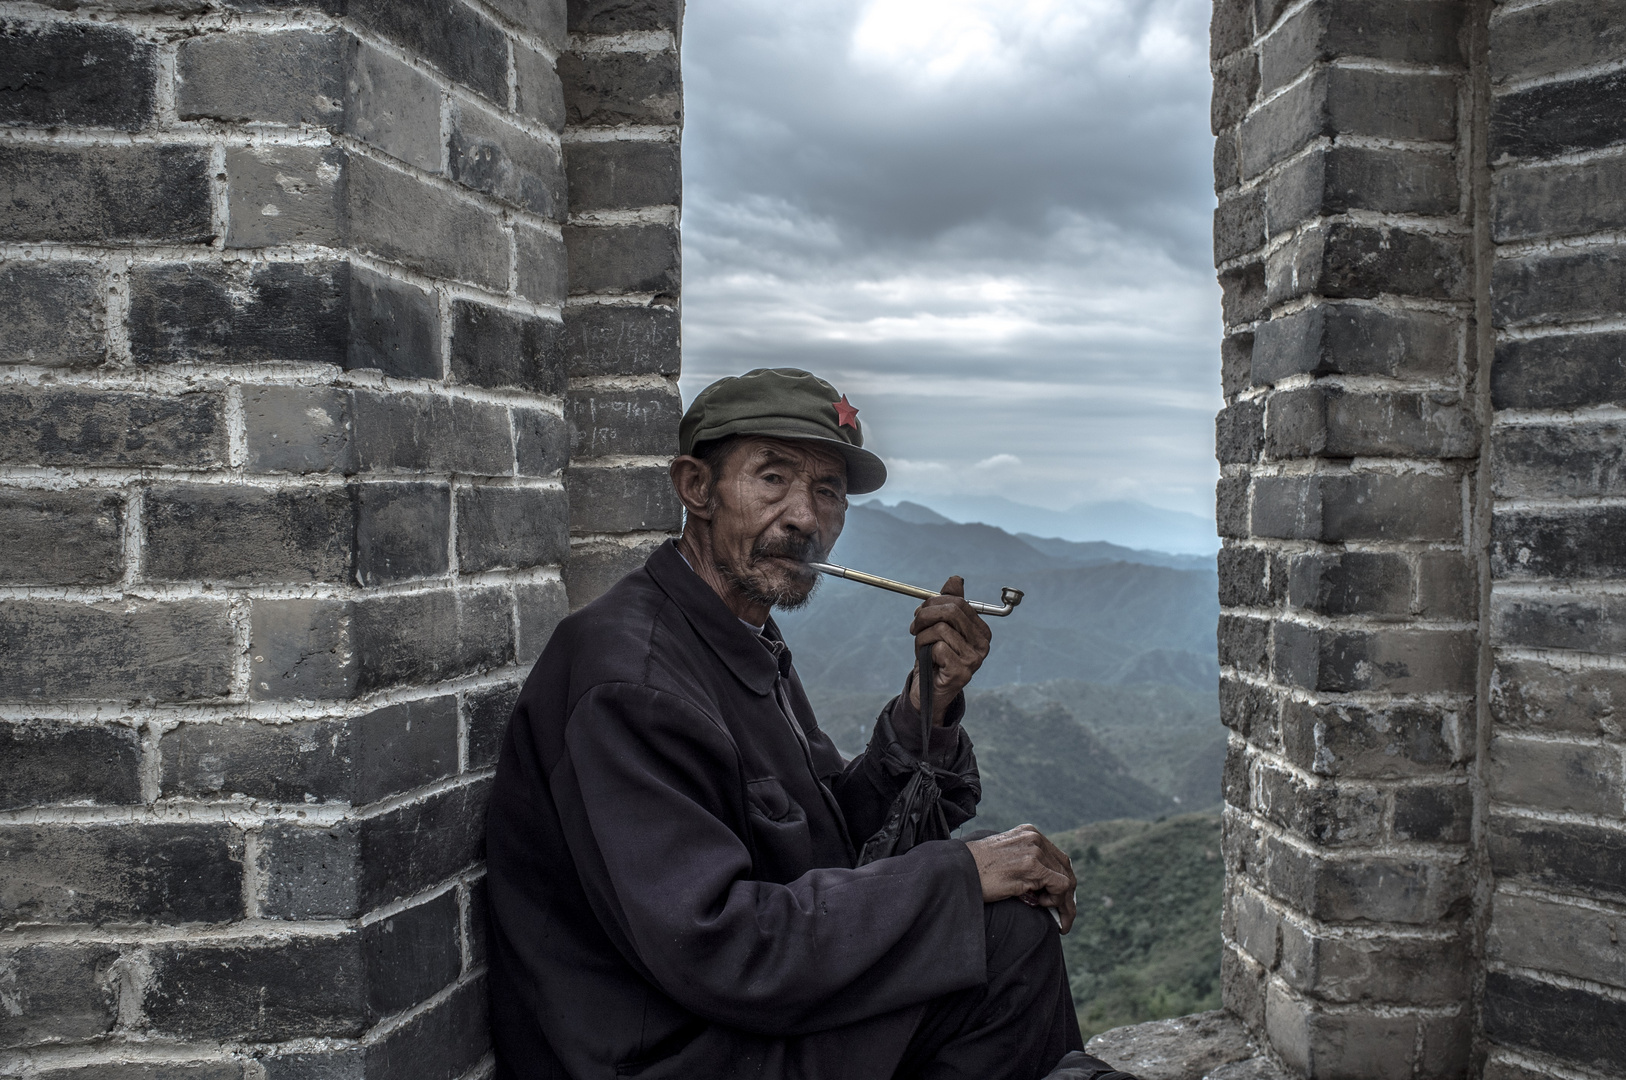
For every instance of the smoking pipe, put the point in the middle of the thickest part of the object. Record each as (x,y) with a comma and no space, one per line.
(1009,598)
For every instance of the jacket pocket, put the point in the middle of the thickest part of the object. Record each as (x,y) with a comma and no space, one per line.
(781,844)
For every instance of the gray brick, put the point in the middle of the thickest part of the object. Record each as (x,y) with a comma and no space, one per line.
(1398,660)
(1349,101)
(511,528)
(204,313)
(145,650)
(398,218)
(476,924)
(1559,118)
(1236,363)
(1540,1016)
(423,432)
(1566,544)
(497,348)
(244,535)
(1532,932)
(1227,161)
(444,1041)
(1560,776)
(620,339)
(106,194)
(394,327)
(1324,421)
(489,154)
(422,843)
(261,990)
(1313,1043)
(1563,856)
(121,873)
(594,567)
(1343,259)
(1230,27)
(540,265)
(308,872)
(621,499)
(356,760)
(1251,711)
(1558,287)
(1242,987)
(1252,924)
(1351,583)
(622,88)
(1364,886)
(544,19)
(1555,38)
(1406,971)
(1354,339)
(619,16)
(1239,432)
(1244,643)
(1447,585)
(463,44)
(300,429)
(538,93)
(623,259)
(285,195)
(1434,813)
(1559,200)
(51,314)
(1574,619)
(46,85)
(1560,371)
(402,531)
(1231,506)
(541,442)
(1236,88)
(392,106)
(56,761)
(540,606)
(1529,695)
(342,649)
(1381,742)
(1403,31)
(58,992)
(61,537)
(1325,813)
(412,954)
(1358,506)
(1266,12)
(608,422)
(622,175)
(1239,225)
(284,77)
(488,710)
(1242,294)
(1339,179)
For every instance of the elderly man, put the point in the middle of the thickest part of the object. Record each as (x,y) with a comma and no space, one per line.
(673,842)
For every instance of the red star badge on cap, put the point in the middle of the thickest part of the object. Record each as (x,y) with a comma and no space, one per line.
(846,415)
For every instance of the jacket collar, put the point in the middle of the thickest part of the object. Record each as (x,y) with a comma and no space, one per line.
(736,644)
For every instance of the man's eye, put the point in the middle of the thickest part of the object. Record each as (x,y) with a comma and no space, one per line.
(773,478)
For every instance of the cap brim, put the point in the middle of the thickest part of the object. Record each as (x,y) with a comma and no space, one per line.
(865,471)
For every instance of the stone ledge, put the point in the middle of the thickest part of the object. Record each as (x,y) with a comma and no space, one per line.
(1202,1046)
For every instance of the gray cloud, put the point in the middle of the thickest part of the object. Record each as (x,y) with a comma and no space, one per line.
(987,220)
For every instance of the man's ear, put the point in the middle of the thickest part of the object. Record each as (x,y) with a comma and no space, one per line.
(691,479)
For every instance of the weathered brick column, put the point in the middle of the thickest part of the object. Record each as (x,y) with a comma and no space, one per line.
(1555,988)
(1348,641)
(288,377)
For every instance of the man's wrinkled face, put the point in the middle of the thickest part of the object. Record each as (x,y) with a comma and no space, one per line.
(779,503)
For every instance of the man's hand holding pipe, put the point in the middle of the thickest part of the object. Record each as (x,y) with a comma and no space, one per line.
(959,639)
(1023,862)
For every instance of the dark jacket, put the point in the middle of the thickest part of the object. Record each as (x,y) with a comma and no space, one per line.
(671,862)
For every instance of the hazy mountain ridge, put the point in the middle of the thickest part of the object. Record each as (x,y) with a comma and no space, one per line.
(1126,522)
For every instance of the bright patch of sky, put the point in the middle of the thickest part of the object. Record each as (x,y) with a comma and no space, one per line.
(986,221)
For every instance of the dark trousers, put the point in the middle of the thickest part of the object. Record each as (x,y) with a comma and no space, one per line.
(1017,1025)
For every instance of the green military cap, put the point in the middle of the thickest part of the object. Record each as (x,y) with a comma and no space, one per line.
(785,403)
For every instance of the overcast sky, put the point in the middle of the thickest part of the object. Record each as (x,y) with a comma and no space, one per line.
(986,221)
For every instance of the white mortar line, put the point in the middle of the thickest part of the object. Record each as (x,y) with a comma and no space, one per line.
(1515,86)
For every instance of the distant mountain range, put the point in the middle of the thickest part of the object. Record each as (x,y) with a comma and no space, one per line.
(1123,522)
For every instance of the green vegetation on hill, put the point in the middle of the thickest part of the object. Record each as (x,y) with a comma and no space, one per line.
(1146,944)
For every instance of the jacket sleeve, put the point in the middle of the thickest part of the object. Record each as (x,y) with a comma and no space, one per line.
(867,785)
(646,791)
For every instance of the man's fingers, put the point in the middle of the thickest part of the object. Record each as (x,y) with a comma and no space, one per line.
(956,613)
(954,586)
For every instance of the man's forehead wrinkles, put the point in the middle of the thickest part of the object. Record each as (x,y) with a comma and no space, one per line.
(806,458)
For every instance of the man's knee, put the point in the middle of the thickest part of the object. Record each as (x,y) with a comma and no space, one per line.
(1018,934)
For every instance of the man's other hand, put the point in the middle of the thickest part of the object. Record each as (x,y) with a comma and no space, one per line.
(959,640)
(1023,862)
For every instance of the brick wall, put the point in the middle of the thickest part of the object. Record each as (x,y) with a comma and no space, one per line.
(338,343)
(1419,241)
(1555,987)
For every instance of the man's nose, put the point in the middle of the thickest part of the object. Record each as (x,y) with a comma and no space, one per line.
(797,512)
